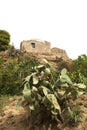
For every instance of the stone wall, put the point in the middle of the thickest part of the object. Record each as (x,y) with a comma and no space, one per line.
(36,46)
(43,49)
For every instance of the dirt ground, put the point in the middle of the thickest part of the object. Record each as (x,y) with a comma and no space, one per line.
(17,119)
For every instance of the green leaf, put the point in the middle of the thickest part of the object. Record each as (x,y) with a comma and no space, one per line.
(27,78)
(82,86)
(45,61)
(41,67)
(47,84)
(65,79)
(47,71)
(64,71)
(52,99)
(54,111)
(27,94)
(19,103)
(44,90)
(31,107)
(26,86)
(42,73)
(34,89)
(36,105)
(35,79)
(39,97)
(70,112)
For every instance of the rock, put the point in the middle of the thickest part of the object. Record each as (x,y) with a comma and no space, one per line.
(10,115)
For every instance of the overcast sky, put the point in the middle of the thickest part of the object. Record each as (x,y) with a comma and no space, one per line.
(62,22)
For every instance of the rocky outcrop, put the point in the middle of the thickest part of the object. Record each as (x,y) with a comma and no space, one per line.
(59,53)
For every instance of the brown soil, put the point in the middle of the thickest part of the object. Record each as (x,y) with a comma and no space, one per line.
(17,119)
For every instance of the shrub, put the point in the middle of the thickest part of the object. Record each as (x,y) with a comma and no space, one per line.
(4,40)
(13,73)
(44,94)
(79,70)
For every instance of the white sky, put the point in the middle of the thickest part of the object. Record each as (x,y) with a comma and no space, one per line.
(62,22)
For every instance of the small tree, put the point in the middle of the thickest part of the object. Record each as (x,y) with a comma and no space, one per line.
(4,40)
(79,69)
(48,97)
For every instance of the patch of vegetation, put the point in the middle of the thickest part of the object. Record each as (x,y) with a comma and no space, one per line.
(13,73)
(45,94)
(4,40)
(79,70)
(73,114)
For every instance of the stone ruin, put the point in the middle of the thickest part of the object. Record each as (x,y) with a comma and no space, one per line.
(36,46)
(42,49)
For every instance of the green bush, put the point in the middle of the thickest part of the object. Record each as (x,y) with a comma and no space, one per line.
(4,40)
(43,92)
(13,52)
(13,73)
(79,70)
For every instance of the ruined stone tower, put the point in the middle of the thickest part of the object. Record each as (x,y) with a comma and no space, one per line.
(36,46)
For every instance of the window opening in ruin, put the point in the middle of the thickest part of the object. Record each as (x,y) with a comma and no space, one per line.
(33,45)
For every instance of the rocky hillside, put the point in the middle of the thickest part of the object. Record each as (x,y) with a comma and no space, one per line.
(55,57)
